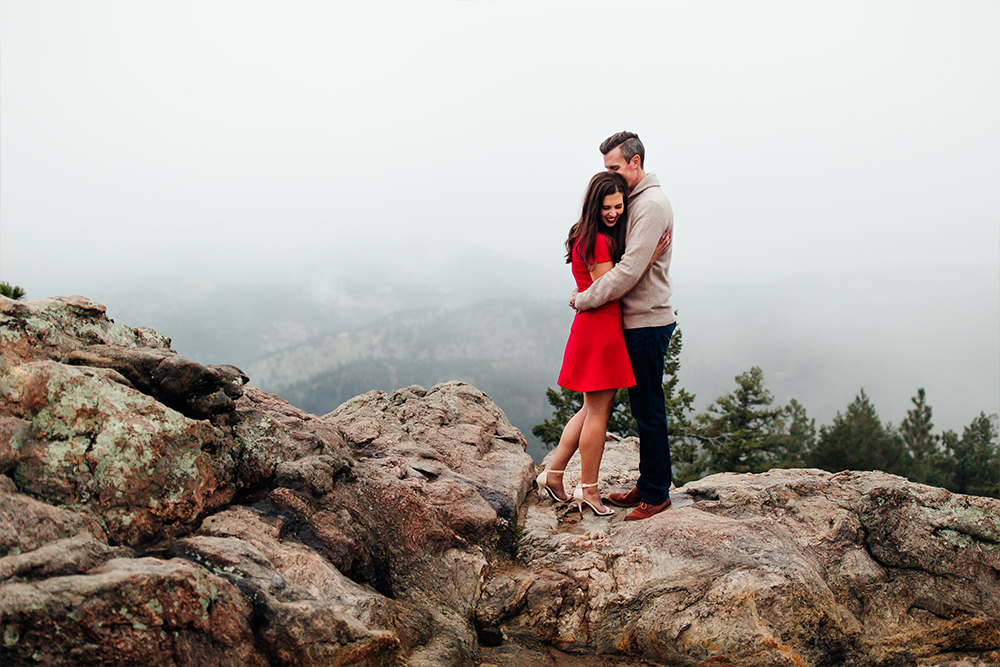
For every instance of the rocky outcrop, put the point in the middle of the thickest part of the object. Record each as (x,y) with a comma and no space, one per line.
(272,536)
(194,390)
(790,567)
(154,510)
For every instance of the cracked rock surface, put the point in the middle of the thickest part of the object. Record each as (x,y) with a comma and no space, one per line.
(789,567)
(157,511)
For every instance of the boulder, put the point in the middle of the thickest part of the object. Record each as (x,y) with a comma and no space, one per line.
(790,567)
(270,431)
(52,328)
(80,440)
(429,494)
(128,611)
(198,392)
(308,612)
(78,331)
(453,432)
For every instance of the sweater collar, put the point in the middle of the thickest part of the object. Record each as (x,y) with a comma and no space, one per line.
(650,181)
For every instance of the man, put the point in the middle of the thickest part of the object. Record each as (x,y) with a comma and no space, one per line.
(648,319)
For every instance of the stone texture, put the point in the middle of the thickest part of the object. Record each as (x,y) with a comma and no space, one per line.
(270,431)
(27,524)
(791,567)
(143,470)
(310,620)
(52,328)
(71,555)
(128,612)
(452,432)
(198,392)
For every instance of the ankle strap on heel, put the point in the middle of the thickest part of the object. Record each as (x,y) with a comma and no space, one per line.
(587,485)
(557,472)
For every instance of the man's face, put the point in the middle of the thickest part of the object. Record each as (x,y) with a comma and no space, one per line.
(615,162)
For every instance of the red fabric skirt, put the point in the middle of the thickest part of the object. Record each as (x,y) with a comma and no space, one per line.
(595,356)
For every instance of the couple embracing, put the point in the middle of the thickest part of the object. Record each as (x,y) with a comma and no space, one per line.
(620,253)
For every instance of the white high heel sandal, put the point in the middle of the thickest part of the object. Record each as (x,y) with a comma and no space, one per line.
(581,501)
(542,481)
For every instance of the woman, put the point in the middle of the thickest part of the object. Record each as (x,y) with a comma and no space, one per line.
(596,361)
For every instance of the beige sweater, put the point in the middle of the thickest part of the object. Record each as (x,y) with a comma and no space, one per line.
(648,303)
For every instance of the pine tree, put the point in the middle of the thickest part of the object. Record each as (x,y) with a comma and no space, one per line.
(741,432)
(974,460)
(679,401)
(11,291)
(857,440)
(684,448)
(565,404)
(801,436)
(924,459)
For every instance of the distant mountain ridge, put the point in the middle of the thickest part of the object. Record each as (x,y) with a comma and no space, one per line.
(491,331)
(507,347)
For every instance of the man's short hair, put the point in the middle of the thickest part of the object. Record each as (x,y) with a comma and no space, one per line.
(630,145)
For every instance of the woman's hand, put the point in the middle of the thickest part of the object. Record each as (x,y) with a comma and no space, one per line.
(661,246)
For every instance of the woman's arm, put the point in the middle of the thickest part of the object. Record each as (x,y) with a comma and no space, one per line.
(599,269)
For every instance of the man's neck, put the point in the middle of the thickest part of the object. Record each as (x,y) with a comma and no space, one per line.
(642,176)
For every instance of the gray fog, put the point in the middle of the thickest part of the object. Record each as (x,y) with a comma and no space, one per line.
(375,156)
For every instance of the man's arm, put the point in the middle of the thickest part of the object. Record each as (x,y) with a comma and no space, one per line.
(643,235)
(661,248)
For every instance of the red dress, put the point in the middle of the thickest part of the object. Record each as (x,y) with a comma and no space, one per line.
(595,356)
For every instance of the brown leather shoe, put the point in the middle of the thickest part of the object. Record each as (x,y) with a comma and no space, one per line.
(630,499)
(644,511)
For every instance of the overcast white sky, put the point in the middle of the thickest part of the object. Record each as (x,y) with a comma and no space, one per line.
(246,140)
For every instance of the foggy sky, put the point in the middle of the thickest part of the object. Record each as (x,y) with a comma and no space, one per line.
(790,136)
(250,141)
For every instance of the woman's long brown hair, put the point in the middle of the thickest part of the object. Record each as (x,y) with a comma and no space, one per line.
(589,225)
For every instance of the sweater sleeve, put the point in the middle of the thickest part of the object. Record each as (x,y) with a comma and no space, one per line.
(644,232)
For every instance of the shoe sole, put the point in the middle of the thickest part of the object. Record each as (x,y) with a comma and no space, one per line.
(629,516)
(621,504)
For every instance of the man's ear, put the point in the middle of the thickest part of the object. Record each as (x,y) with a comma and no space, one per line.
(635,162)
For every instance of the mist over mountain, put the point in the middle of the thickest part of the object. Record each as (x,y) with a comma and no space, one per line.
(507,348)
(818,338)
(241,320)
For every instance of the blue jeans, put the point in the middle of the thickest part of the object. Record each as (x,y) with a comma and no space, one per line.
(646,349)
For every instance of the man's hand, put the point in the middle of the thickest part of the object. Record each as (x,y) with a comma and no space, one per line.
(572,299)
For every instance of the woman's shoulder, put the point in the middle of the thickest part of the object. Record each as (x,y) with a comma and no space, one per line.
(602,248)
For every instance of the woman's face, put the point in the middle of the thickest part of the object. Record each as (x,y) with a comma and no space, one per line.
(612,208)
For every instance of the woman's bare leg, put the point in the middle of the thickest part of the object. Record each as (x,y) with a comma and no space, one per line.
(569,441)
(596,408)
